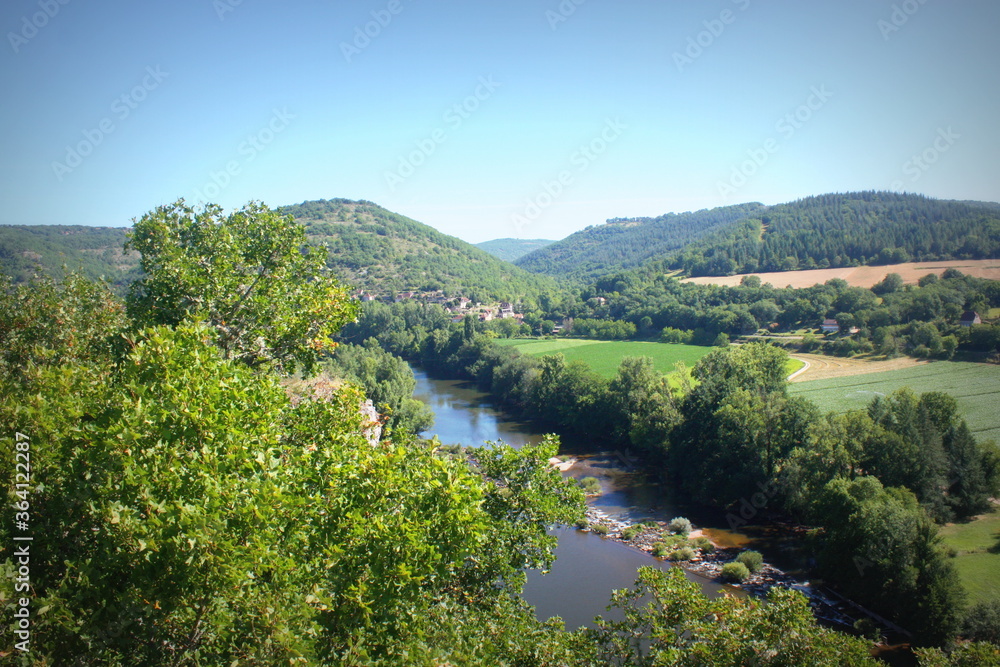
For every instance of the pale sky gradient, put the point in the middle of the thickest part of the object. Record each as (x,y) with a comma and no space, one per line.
(464,114)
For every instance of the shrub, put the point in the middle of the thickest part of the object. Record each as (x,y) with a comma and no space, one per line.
(982,623)
(582,523)
(679,525)
(600,528)
(660,549)
(672,541)
(704,544)
(752,559)
(684,553)
(631,532)
(735,572)
(591,485)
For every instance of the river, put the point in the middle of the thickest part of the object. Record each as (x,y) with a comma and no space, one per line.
(588,567)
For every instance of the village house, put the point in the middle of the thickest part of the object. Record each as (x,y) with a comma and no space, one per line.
(829,326)
(969,318)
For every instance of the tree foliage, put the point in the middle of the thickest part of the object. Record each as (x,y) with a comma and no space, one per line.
(669,621)
(249,275)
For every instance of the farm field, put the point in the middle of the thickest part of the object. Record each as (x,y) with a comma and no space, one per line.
(604,356)
(862,276)
(976,387)
(978,561)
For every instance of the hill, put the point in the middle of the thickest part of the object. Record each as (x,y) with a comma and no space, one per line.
(93,251)
(625,243)
(371,248)
(838,230)
(511,249)
(383,252)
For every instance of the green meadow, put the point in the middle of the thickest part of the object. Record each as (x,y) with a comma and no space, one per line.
(975,386)
(977,544)
(604,356)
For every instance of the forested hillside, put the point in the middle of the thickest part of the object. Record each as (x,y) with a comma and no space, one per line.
(846,229)
(370,248)
(624,243)
(511,249)
(833,230)
(378,250)
(93,251)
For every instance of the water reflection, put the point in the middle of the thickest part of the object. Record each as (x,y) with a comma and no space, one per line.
(464,415)
(588,568)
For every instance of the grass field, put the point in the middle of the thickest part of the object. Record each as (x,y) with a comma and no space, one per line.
(604,356)
(978,560)
(975,386)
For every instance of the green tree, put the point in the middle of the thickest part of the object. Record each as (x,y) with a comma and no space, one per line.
(249,275)
(669,621)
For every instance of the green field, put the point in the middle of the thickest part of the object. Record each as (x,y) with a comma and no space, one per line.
(978,560)
(975,386)
(604,356)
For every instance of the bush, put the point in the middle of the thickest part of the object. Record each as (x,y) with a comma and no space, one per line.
(582,523)
(590,485)
(735,572)
(982,623)
(631,532)
(752,559)
(660,549)
(704,544)
(600,528)
(679,525)
(684,553)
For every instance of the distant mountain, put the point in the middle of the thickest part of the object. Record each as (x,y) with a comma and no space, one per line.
(625,243)
(510,249)
(93,251)
(384,252)
(849,229)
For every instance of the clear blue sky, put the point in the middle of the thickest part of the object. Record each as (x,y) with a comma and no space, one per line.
(564,117)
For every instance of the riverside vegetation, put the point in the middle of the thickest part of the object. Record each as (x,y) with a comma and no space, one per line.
(187,510)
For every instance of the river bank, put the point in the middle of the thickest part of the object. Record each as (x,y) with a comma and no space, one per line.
(629,498)
(829,608)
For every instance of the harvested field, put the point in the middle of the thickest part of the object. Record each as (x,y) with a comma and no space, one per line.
(822,367)
(862,276)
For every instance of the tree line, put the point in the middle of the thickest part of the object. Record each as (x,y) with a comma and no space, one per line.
(891,318)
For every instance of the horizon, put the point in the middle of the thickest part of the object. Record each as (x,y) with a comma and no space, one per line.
(488,122)
(506,238)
